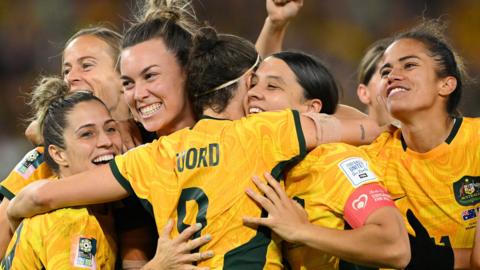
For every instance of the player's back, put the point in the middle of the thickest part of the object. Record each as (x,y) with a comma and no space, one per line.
(210,166)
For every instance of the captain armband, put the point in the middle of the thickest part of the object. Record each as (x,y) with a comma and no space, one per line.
(365,200)
(328,128)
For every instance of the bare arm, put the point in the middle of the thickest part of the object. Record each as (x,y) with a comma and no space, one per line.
(348,112)
(323,128)
(383,230)
(91,187)
(5,232)
(32,133)
(280,12)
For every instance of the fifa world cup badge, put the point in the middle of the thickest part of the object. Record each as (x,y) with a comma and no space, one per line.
(85,249)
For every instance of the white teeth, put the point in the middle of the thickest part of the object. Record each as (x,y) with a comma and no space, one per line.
(255,110)
(103,158)
(150,109)
(396,90)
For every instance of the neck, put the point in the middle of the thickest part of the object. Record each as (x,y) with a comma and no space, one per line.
(233,111)
(186,119)
(423,133)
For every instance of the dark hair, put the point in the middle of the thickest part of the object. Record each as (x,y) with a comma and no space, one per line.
(314,77)
(52,103)
(170,21)
(215,60)
(430,33)
(369,62)
(109,36)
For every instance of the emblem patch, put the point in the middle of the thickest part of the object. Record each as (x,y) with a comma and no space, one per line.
(85,250)
(467,190)
(29,163)
(357,171)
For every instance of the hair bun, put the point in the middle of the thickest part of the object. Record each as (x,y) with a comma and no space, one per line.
(47,91)
(205,40)
(164,14)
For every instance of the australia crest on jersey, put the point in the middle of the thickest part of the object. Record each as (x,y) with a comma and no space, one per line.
(467,190)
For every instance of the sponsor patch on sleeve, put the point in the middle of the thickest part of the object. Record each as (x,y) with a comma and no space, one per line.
(83,252)
(357,171)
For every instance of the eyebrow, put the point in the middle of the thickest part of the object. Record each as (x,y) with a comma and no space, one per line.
(145,70)
(80,60)
(84,126)
(277,78)
(404,58)
(92,125)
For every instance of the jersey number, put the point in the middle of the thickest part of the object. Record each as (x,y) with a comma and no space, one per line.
(189,194)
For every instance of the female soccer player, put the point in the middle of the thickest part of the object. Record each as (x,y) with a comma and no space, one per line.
(431,164)
(324,182)
(79,135)
(89,60)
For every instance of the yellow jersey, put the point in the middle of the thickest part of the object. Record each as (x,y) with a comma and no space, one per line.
(199,175)
(68,238)
(441,186)
(31,168)
(327,182)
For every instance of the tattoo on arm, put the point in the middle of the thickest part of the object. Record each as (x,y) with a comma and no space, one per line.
(362,131)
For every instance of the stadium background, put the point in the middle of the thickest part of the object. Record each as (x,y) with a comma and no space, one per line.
(32,35)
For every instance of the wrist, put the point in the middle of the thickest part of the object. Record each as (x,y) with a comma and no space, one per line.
(302,234)
(276,25)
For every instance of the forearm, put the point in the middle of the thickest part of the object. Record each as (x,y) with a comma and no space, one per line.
(348,112)
(359,131)
(91,187)
(271,38)
(26,203)
(361,245)
(323,128)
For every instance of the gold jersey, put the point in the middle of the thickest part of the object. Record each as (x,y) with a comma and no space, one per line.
(30,169)
(325,183)
(441,186)
(68,238)
(199,175)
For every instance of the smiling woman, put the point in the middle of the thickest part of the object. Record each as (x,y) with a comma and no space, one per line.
(435,147)
(79,135)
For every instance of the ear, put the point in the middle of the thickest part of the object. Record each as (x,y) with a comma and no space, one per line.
(58,155)
(314,105)
(363,94)
(447,86)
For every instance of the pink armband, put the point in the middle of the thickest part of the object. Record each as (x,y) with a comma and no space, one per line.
(364,201)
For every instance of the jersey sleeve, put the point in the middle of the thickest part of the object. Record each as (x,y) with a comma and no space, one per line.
(142,170)
(78,242)
(31,168)
(279,137)
(22,252)
(331,176)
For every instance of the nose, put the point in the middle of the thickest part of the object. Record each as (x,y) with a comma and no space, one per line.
(73,77)
(394,75)
(255,93)
(140,92)
(103,140)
